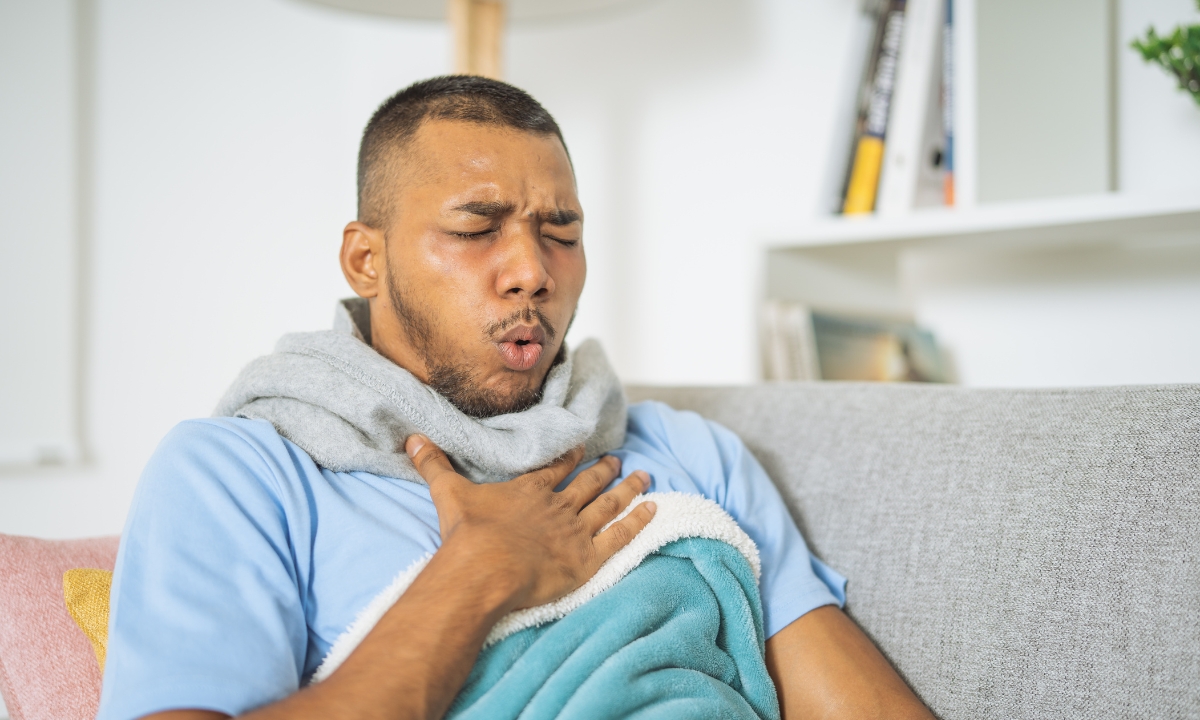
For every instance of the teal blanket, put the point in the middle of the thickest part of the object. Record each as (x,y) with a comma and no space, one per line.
(671,626)
(680,636)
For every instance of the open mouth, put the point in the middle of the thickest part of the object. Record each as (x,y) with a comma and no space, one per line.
(522,346)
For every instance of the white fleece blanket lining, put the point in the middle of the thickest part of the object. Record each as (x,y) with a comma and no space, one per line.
(679,515)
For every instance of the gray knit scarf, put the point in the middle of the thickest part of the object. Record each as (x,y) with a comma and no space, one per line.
(351,409)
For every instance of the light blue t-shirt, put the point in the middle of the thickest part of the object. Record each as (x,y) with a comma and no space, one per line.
(242,561)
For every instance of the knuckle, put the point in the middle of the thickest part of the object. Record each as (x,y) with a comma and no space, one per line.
(606,468)
(609,504)
(621,533)
(587,481)
(427,455)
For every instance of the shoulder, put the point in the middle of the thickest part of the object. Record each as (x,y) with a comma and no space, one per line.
(692,439)
(221,431)
(223,437)
(233,453)
(662,424)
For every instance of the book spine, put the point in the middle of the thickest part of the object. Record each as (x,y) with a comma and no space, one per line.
(788,349)
(948,103)
(876,10)
(868,155)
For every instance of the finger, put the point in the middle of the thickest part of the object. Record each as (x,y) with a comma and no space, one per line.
(588,484)
(557,471)
(623,532)
(430,461)
(609,505)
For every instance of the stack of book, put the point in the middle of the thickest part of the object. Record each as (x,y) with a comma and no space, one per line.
(903,151)
(801,344)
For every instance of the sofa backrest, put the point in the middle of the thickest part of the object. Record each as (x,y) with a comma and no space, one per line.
(1014,553)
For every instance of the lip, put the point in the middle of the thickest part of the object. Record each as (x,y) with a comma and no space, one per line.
(522,346)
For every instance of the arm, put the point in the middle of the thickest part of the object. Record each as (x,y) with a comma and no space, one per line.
(824,666)
(505,546)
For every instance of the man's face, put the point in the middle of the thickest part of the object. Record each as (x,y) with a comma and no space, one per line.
(477,276)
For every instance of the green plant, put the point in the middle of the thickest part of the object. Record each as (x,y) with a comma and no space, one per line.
(1178,53)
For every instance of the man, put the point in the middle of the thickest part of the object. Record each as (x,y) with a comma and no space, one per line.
(255,540)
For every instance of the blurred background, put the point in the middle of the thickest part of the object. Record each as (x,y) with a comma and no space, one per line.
(175,176)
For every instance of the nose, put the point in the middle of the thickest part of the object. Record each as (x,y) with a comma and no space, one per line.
(523,273)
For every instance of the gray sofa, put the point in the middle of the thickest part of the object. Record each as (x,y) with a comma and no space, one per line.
(1016,554)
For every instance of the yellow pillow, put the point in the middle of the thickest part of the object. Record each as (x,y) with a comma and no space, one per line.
(86,592)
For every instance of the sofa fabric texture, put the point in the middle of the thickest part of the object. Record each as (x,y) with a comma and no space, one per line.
(48,670)
(1016,554)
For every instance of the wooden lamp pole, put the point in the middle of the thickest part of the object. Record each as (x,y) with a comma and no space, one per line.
(478,30)
(477,26)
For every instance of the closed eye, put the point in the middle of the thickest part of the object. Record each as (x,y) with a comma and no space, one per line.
(473,235)
(562,241)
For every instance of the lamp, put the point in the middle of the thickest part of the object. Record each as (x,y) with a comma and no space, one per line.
(477,25)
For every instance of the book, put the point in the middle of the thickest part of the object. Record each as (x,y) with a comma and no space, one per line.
(787,346)
(852,106)
(799,343)
(865,167)
(948,105)
(876,349)
(912,170)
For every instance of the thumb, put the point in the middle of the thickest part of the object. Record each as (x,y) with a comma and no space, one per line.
(435,468)
(429,459)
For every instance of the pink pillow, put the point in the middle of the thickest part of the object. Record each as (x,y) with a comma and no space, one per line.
(47,668)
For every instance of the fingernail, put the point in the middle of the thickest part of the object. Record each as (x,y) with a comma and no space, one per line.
(414,443)
(651,506)
(643,478)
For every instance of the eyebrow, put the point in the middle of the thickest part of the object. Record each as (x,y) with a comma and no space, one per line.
(484,208)
(560,217)
(488,209)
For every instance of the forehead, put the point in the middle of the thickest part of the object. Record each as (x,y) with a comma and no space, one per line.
(456,155)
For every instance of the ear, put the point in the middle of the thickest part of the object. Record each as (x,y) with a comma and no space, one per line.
(363,257)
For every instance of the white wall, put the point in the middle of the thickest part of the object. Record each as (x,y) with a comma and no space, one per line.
(1117,314)
(38,287)
(225,137)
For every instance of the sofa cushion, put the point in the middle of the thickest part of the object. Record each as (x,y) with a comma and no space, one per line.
(86,592)
(1014,553)
(47,667)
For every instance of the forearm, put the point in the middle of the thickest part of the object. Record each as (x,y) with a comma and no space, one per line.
(824,666)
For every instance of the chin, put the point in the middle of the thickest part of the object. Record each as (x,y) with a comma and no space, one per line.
(498,396)
(498,390)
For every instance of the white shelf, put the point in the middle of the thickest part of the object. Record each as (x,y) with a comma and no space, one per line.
(1059,221)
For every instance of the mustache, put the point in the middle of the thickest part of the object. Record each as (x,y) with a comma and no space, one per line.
(527,316)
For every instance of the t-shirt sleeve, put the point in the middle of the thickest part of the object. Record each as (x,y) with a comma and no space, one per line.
(794,581)
(205,609)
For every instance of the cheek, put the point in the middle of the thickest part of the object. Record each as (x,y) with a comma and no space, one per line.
(457,270)
(571,274)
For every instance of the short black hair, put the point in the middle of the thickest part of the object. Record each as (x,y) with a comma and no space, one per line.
(468,98)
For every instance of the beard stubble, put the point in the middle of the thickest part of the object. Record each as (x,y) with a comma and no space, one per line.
(451,375)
